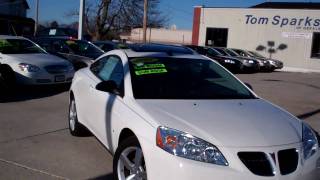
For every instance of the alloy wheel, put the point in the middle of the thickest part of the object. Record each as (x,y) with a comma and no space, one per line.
(131,164)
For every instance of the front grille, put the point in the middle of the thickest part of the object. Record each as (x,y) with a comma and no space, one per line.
(43,81)
(257,162)
(56,69)
(288,161)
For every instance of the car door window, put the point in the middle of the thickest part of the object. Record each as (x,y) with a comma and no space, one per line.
(109,68)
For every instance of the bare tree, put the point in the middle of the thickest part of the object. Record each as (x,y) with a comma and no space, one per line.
(106,19)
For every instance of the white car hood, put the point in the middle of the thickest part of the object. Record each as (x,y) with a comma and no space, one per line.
(40,60)
(230,123)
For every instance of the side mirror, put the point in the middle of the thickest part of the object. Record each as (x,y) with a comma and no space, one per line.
(108,86)
(249,86)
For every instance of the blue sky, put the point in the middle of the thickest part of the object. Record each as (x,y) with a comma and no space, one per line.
(180,12)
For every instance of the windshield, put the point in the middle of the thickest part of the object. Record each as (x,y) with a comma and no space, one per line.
(242,52)
(213,52)
(84,48)
(231,52)
(177,78)
(221,51)
(18,46)
(256,54)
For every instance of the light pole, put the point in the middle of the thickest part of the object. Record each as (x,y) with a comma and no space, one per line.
(145,19)
(36,18)
(81,15)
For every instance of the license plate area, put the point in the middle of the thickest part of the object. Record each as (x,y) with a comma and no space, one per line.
(59,78)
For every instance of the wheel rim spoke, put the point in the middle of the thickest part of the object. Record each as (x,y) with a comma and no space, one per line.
(131,177)
(138,158)
(72,115)
(127,163)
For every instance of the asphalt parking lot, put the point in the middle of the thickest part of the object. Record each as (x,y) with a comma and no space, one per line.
(35,142)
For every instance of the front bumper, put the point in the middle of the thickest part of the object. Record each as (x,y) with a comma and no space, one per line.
(43,77)
(250,67)
(162,165)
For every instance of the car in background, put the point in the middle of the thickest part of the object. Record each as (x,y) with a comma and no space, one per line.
(248,64)
(186,116)
(80,53)
(231,63)
(107,46)
(24,62)
(62,32)
(264,64)
(276,64)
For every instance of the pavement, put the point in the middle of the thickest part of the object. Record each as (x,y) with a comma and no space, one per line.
(35,142)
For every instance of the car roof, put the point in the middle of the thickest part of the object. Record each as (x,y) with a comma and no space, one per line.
(162,48)
(104,42)
(134,54)
(11,37)
(59,37)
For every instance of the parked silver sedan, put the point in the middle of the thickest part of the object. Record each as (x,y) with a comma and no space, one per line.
(27,63)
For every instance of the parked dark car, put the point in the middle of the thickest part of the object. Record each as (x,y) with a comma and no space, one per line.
(248,64)
(275,64)
(110,45)
(231,63)
(264,64)
(58,32)
(79,52)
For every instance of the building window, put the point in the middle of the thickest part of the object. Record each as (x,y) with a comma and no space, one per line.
(217,37)
(315,53)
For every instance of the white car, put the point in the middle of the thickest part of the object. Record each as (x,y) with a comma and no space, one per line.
(171,116)
(27,63)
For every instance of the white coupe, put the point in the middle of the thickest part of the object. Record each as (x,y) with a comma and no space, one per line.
(24,62)
(172,116)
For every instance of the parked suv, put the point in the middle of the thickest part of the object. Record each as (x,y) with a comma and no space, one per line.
(79,52)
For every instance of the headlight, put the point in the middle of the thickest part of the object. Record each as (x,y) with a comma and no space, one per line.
(70,68)
(187,146)
(28,67)
(272,62)
(249,61)
(229,61)
(310,141)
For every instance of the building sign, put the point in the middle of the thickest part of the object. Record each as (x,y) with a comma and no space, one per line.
(305,23)
(295,35)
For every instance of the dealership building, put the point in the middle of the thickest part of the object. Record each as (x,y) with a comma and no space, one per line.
(289,32)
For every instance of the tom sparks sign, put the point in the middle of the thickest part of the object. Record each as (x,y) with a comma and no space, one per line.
(306,23)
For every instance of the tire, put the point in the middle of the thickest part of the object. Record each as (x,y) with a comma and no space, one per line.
(7,77)
(75,128)
(126,161)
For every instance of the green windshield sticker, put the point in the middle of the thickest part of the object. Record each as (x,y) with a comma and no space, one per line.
(69,42)
(148,66)
(150,71)
(143,60)
(4,42)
